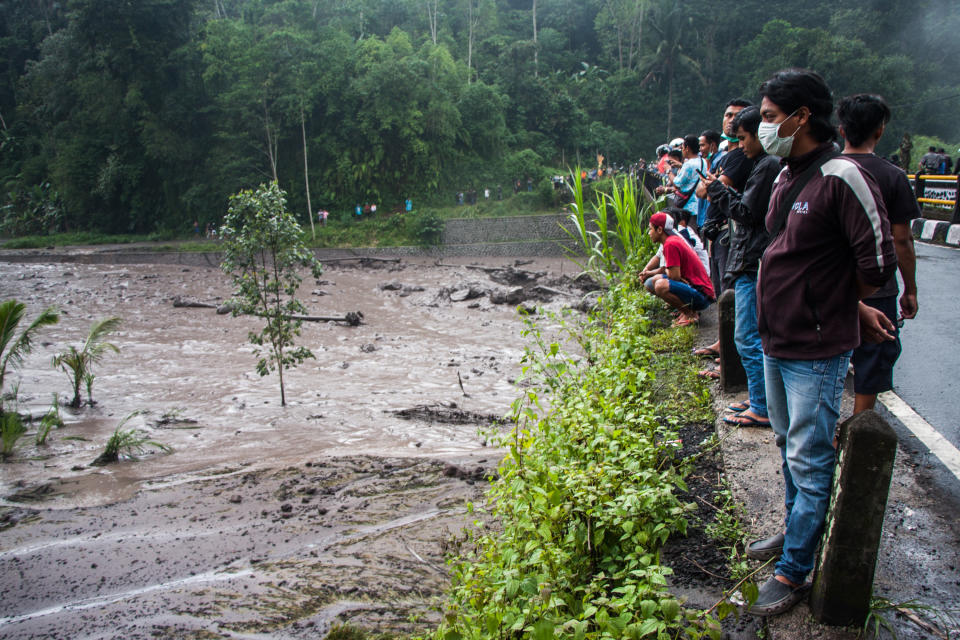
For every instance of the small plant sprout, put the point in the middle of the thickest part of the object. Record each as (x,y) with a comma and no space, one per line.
(11,429)
(50,420)
(127,442)
(13,349)
(77,364)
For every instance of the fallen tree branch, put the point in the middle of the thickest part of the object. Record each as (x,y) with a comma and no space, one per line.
(184,302)
(326,260)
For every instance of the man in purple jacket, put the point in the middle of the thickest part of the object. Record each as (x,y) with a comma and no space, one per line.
(834,248)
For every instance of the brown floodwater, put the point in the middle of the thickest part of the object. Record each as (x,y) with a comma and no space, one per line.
(190,373)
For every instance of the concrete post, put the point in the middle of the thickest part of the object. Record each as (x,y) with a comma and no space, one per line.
(843,581)
(732,375)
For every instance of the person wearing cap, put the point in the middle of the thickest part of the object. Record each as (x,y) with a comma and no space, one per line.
(680,281)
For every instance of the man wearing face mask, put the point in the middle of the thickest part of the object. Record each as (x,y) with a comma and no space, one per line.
(830,246)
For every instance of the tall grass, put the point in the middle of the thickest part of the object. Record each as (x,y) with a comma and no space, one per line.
(604,250)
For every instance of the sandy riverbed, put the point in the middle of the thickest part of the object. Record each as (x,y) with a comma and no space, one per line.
(264,521)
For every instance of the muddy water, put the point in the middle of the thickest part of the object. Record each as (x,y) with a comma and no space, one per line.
(239,525)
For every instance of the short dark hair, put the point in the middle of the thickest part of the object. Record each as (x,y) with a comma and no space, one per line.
(675,153)
(692,142)
(748,120)
(791,89)
(711,136)
(934,149)
(738,102)
(674,212)
(860,115)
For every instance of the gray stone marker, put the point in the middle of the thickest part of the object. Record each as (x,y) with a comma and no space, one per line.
(732,375)
(843,582)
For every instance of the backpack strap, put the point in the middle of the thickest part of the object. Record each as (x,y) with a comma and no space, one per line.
(780,216)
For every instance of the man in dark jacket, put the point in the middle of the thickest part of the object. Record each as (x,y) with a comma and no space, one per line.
(748,238)
(830,246)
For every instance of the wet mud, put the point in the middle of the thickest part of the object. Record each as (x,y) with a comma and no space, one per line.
(264,521)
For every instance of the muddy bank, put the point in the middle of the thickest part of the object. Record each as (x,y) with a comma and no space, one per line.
(264,519)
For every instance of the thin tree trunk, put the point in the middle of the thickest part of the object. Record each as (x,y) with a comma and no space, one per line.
(536,53)
(471,26)
(306,172)
(432,12)
(271,142)
(669,98)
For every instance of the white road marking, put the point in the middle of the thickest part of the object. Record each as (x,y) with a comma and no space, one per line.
(938,445)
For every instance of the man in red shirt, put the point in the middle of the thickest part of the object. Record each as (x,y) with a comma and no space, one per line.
(681,281)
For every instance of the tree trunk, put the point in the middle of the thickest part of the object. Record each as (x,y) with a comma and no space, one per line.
(471,25)
(669,98)
(306,172)
(536,52)
(432,12)
(271,142)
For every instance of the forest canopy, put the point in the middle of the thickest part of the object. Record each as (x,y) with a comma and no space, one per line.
(143,116)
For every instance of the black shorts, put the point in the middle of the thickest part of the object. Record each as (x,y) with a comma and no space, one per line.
(873,362)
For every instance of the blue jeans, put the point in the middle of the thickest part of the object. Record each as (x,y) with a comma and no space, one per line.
(803,399)
(747,338)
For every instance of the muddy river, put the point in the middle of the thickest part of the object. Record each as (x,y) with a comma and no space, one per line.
(263,521)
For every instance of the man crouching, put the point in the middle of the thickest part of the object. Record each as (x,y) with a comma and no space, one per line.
(680,279)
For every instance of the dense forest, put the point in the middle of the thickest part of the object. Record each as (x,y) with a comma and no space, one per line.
(134,116)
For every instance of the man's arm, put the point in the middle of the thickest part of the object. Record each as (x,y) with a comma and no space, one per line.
(907,263)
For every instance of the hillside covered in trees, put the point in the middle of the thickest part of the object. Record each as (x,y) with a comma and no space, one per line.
(146,115)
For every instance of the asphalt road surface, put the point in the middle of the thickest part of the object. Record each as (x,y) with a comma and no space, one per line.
(927,376)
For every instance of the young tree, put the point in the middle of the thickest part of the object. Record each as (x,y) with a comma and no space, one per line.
(262,250)
(78,363)
(14,349)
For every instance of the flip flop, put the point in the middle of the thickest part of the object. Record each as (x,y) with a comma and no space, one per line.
(709,373)
(684,321)
(737,407)
(741,420)
(705,352)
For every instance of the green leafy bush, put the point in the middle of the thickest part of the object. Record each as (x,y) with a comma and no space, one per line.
(587,494)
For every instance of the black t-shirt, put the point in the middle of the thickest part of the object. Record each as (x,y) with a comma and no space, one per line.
(737,166)
(898,197)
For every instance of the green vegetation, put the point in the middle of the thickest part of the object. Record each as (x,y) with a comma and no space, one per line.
(82,237)
(77,364)
(605,244)
(147,116)
(50,419)
(14,348)
(127,442)
(262,249)
(11,430)
(588,492)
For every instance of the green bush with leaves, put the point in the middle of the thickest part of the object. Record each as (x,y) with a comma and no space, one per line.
(263,248)
(78,364)
(588,493)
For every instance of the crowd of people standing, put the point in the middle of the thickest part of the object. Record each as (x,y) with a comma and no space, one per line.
(829,220)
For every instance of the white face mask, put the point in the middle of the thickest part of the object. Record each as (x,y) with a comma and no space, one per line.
(769,135)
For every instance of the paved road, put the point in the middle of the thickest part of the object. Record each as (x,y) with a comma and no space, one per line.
(927,376)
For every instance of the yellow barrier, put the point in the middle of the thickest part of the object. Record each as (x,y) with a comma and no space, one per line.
(934,177)
(933,201)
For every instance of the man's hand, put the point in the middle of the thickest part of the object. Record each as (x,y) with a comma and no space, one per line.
(875,326)
(908,305)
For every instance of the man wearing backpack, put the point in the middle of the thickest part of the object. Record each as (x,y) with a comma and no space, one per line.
(930,162)
(830,246)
